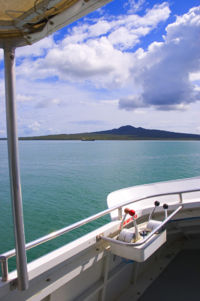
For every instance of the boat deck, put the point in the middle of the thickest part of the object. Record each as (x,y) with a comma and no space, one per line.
(179,281)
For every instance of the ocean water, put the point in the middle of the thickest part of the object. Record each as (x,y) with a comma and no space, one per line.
(66,181)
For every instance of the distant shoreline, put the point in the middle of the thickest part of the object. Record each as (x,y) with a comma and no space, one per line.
(125,133)
(103,139)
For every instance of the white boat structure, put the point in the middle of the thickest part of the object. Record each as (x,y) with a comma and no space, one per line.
(150,248)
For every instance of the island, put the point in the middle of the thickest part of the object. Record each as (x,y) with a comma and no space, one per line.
(127,132)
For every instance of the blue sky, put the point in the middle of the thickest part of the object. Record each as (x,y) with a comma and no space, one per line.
(130,62)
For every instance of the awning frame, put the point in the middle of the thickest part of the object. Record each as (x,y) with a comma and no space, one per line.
(21,31)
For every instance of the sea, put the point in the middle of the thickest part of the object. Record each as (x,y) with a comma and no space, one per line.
(66,181)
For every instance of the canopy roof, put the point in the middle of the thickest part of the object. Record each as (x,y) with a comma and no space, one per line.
(27,21)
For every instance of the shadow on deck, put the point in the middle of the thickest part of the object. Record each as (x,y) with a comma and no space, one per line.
(179,281)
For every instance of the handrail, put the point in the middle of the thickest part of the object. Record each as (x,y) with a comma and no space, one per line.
(5,256)
(135,244)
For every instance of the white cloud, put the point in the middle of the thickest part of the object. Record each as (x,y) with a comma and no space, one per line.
(34,126)
(46,102)
(102,27)
(194,76)
(95,52)
(134,5)
(110,101)
(96,60)
(132,102)
(135,24)
(160,12)
(123,39)
(23,98)
(49,105)
(37,49)
(164,69)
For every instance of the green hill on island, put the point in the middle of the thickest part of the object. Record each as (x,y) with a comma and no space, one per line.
(127,132)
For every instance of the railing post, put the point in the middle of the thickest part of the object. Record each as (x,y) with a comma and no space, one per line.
(119,213)
(14,170)
(4,268)
(181,198)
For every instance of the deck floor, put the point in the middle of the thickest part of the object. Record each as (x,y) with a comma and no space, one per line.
(179,281)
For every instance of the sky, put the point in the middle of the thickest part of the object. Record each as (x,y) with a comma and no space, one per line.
(129,63)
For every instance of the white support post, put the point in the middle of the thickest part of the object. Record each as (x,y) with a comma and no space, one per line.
(105,277)
(13,156)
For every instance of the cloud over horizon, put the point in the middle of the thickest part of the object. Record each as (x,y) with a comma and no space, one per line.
(98,50)
(164,70)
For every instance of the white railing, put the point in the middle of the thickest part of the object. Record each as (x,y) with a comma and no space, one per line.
(5,256)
